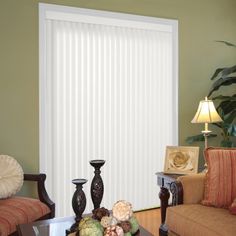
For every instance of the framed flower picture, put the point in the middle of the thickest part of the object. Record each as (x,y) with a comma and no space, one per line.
(181,160)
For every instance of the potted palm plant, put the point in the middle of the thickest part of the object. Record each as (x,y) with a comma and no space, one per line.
(226,105)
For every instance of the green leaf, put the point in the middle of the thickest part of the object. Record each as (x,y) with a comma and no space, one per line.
(221,82)
(225,42)
(198,138)
(225,98)
(217,73)
(226,143)
(232,130)
(224,72)
(195,138)
(221,113)
(227,106)
(228,71)
(231,117)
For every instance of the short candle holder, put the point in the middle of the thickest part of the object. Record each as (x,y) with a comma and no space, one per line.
(78,203)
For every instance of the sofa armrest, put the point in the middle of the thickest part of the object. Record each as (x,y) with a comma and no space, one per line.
(188,189)
(42,193)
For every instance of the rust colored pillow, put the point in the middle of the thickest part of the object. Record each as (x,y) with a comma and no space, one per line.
(232,208)
(220,185)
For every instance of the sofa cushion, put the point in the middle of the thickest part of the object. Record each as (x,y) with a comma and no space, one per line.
(196,220)
(11,176)
(19,210)
(220,188)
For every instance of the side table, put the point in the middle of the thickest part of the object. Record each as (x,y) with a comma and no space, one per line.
(165,181)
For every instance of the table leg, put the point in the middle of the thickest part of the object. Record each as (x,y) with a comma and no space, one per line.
(164,196)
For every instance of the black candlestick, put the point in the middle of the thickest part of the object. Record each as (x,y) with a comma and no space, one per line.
(97,187)
(78,202)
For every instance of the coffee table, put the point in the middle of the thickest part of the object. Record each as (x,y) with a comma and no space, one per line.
(56,227)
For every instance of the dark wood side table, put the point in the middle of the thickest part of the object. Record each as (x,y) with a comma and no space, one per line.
(164,181)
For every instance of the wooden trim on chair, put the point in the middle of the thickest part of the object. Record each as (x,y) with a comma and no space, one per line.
(176,188)
(42,193)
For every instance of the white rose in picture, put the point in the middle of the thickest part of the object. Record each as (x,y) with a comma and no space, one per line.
(180,160)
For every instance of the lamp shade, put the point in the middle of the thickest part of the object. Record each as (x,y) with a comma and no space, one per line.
(206,113)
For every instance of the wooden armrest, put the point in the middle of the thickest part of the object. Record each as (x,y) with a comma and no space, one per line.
(176,188)
(42,193)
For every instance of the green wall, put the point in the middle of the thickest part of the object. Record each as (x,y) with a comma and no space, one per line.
(200,23)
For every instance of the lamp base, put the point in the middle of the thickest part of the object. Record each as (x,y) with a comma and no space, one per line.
(205,134)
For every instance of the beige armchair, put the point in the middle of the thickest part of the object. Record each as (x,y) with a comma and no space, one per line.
(190,218)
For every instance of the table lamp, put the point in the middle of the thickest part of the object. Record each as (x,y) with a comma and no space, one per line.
(206,113)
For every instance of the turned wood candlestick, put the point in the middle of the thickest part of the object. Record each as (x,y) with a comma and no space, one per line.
(97,187)
(78,202)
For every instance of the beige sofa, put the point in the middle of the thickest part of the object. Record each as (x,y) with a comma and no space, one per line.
(193,219)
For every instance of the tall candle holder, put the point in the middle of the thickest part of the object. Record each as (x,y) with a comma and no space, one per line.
(97,187)
(78,202)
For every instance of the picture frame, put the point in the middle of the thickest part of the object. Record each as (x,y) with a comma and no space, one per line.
(181,160)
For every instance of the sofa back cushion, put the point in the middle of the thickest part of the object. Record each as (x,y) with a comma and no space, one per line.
(220,185)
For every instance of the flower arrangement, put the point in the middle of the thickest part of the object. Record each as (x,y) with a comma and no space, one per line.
(121,222)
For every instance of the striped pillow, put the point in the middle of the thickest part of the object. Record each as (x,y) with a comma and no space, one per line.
(220,185)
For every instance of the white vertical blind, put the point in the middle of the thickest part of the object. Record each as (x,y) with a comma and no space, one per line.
(107,91)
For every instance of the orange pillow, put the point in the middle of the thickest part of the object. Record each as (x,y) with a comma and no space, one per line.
(220,185)
(232,208)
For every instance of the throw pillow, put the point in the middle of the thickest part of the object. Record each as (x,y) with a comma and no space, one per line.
(220,185)
(11,176)
(232,208)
